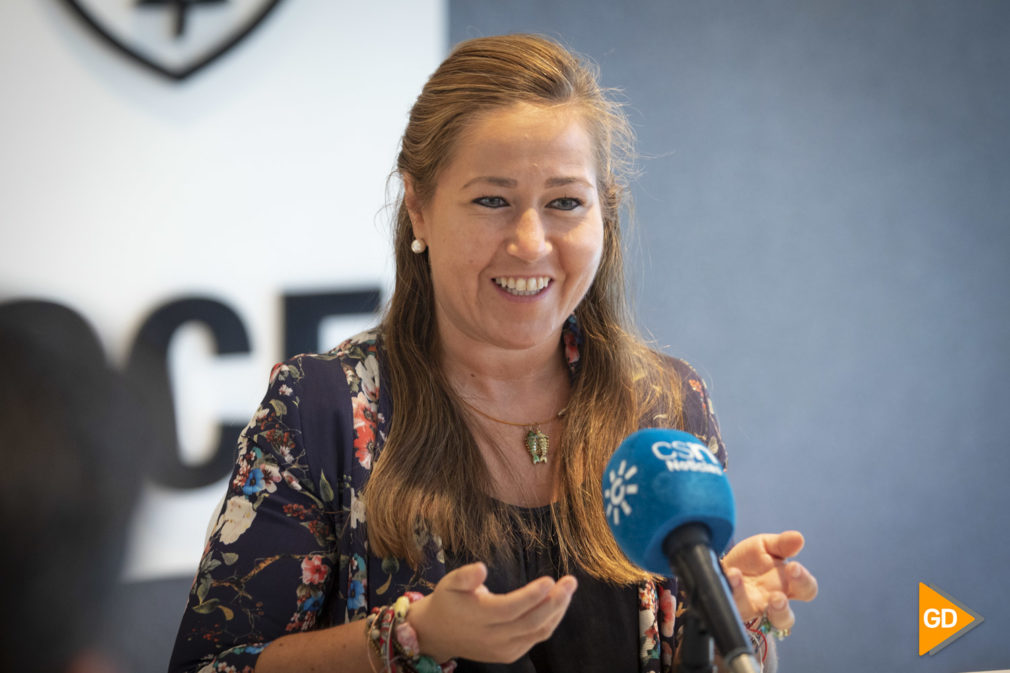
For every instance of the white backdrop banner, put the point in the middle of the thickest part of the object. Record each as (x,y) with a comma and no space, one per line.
(259,184)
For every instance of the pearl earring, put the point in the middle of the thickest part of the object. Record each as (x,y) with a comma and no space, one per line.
(418,246)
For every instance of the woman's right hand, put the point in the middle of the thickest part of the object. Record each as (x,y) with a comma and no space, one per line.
(462,618)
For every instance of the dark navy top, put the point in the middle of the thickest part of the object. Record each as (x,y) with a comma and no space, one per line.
(599,632)
(289,549)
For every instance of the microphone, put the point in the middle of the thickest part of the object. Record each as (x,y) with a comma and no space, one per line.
(669,506)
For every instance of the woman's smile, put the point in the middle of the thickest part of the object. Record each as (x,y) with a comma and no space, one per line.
(522,286)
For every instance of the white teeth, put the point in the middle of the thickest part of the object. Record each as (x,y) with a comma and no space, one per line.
(523,286)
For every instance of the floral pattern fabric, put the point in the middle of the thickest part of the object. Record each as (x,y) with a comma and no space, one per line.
(289,549)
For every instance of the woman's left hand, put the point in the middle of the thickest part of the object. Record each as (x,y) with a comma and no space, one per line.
(764,580)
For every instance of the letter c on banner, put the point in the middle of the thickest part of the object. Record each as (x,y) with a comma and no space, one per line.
(147,367)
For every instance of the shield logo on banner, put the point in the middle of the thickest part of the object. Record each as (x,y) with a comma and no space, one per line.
(175,38)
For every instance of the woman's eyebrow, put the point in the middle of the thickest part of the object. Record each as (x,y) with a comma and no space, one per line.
(560,181)
(494,180)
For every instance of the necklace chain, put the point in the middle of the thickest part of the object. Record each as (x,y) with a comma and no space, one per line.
(537,442)
(517,425)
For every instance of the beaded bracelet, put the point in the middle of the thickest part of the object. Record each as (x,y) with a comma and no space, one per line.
(766,628)
(395,640)
(758,638)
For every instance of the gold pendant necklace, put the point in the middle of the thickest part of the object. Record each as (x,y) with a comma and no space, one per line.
(537,441)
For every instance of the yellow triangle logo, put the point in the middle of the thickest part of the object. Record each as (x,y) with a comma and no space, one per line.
(942,620)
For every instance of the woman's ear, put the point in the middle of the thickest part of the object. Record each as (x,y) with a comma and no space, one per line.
(413,204)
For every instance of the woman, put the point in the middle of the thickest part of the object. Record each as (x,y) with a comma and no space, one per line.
(456,451)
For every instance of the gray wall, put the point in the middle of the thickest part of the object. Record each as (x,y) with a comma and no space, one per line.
(823,231)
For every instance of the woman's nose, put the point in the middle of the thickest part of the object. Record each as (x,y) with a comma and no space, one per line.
(530,240)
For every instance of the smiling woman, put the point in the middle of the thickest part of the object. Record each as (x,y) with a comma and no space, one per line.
(436,479)
(514,230)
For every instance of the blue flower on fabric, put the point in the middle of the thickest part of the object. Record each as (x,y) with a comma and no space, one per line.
(254,484)
(313,603)
(358,566)
(355,595)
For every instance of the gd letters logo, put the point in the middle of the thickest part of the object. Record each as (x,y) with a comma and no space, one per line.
(942,620)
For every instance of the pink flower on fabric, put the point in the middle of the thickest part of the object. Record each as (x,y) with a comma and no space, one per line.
(279,369)
(666,654)
(647,617)
(363,455)
(368,373)
(291,481)
(314,571)
(571,348)
(364,430)
(667,608)
(241,475)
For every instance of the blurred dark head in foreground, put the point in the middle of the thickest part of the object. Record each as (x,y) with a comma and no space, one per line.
(73,442)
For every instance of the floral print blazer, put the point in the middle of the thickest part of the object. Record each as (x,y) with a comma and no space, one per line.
(289,550)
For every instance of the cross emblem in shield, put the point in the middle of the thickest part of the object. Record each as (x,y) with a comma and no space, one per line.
(175,38)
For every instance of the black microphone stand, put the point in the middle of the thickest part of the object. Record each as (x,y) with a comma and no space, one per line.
(698,569)
(697,648)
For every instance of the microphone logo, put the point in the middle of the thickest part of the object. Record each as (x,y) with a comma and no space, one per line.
(620,487)
(681,456)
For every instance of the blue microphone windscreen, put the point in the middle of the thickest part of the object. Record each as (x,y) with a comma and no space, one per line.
(658,480)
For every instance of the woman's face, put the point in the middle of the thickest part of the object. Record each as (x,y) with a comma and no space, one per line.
(514,227)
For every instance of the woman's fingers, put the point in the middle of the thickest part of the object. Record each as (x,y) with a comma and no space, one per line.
(537,624)
(785,544)
(505,608)
(764,580)
(466,578)
(744,605)
(753,596)
(547,614)
(461,617)
(518,620)
(780,614)
(801,584)
(543,595)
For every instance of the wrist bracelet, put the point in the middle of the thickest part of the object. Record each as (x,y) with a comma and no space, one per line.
(395,640)
(758,638)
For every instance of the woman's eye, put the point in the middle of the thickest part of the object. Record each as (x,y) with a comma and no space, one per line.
(491,201)
(566,203)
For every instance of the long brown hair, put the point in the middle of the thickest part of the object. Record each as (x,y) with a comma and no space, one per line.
(430,479)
